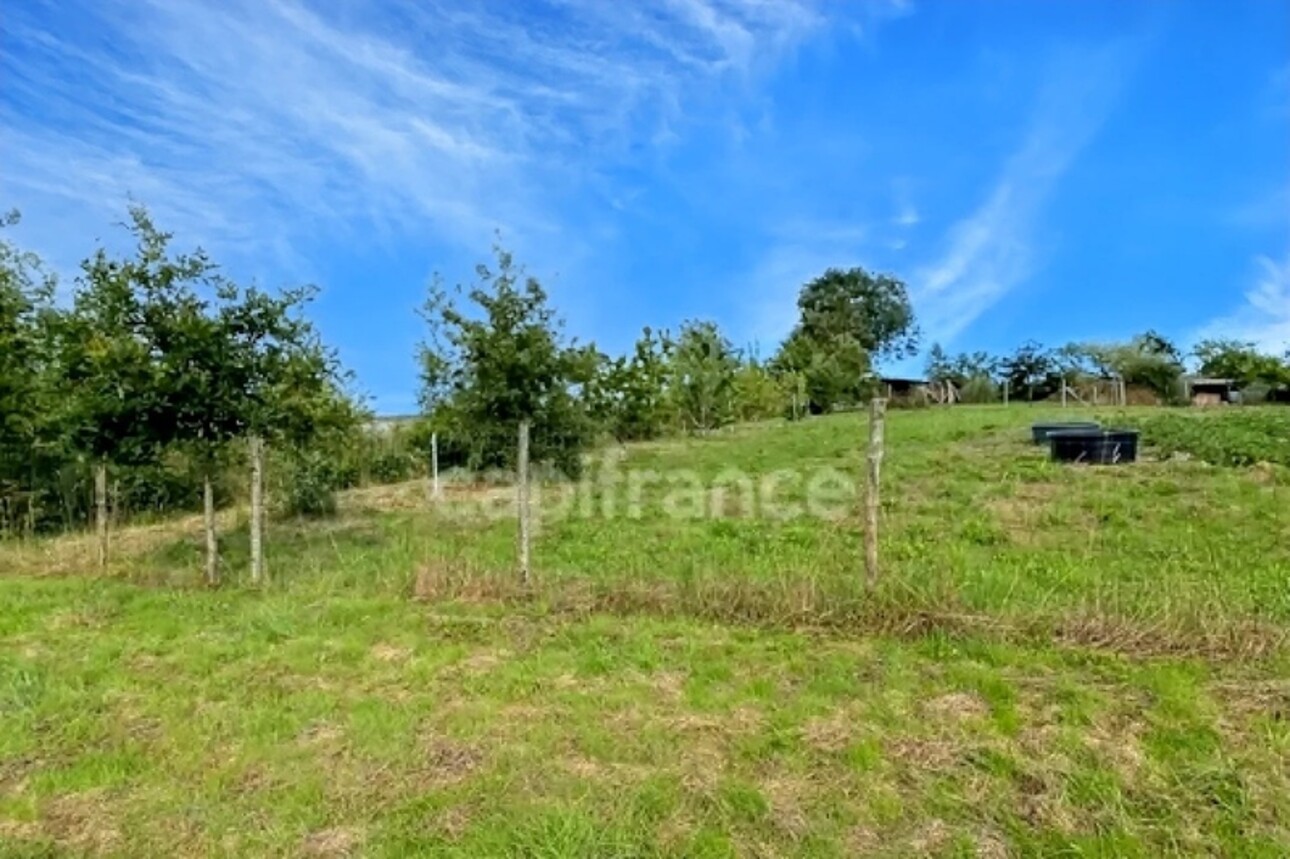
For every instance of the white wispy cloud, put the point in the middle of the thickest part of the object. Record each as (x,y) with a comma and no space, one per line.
(907,214)
(1264,317)
(259,127)
(989,253)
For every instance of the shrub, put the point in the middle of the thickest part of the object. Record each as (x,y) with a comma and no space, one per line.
(979,389)
(309,485)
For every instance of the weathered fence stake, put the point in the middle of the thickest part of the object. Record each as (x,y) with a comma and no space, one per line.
(256,445)
(877,421)
(434,466)
(101,511)
(212,545)
(522,496)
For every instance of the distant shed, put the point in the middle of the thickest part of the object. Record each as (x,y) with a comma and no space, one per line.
(1210,392)
(904,389)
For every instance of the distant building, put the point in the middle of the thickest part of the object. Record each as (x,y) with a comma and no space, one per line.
(1210,392)
(913,390)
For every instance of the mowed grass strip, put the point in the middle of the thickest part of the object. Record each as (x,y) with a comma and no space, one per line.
(144,722)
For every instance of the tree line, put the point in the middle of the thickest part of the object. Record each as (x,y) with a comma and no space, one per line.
(152,374)
(1149,362)
(157,383)
(497,354)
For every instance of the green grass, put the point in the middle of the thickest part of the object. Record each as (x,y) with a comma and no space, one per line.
(1059,661)
(1222,436)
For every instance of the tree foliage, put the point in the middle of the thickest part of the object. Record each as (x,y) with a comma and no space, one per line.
(156,365)
(847,319)
(704,365)
(504,361)
(1242,362)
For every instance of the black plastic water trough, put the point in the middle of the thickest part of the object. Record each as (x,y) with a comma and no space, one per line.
(1097,447)
(1040,432)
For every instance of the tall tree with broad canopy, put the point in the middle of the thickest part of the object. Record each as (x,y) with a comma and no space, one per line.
(496,355)
(848,319)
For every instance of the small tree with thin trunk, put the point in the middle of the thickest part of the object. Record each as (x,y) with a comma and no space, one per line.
(502,360)
(292,386)
(703,367)
(111,389)
(28,411)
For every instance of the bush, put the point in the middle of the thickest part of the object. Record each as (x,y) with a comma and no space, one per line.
(979,389)
(309,484)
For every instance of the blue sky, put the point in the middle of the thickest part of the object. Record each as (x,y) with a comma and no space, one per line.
(1057,170)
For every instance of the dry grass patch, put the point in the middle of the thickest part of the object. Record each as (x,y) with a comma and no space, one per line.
(956,707)
(833,733)
(332,843)
(446,762)
(382,652)
(83,822)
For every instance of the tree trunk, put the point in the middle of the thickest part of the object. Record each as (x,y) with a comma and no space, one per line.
(256,445)
(101,511)
(212,545)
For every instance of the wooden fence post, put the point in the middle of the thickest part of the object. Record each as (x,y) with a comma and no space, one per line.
(522,496)
(434,465)
(256,445)
(101,511)
(1005,392)
(208,521)
(877,421)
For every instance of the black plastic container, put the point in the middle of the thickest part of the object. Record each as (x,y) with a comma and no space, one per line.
(1040,432)
(1097,447)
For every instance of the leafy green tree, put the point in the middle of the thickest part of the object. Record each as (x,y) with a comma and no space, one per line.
(873,310)
(27,407)
(847,320)
(939,366)
(113,394)
(758,395)
(703,369)
(633,392)
(485,371)
(1241,361)
(1147,360)
(283,386)
(1031,370)
(959,369)
(835,373)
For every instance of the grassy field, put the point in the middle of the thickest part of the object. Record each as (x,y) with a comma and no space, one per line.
(1057,661)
